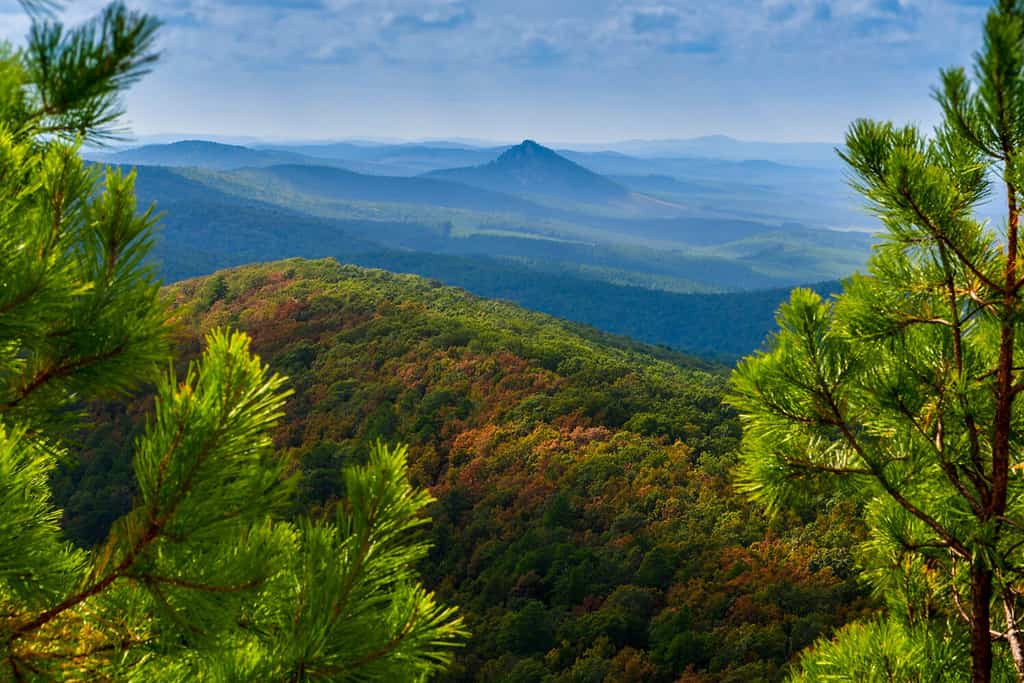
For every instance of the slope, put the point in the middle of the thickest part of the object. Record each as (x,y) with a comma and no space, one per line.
(532,169)
(204,230)
(585,523)
(339,184)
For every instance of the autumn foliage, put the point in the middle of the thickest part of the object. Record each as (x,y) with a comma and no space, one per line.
(585,522)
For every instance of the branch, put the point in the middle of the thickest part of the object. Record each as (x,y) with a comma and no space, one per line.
(944,239)
(825,469)
(193,585)
(47,375)
(932,523)
(383,651)
(154,529)
(1013,635)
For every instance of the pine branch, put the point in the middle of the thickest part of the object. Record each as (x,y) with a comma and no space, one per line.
(79,73)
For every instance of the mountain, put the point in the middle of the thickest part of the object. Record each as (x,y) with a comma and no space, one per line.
(396,159)
(531,169)
(585,522)
(727,148)
(688,187)
(203,230)
(201,154)
(340,184)
(723,327)
(678,254)
(618,290)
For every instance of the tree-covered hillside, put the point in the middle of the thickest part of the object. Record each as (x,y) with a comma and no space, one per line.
(585,521)
(203,230)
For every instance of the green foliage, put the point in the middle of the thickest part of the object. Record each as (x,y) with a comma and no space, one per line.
(77,75)
(882,651)
(345,605)
(900,395)
(575,538)
(203,576)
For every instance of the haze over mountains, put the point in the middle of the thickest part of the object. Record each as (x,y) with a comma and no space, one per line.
(652,234)
(728,148)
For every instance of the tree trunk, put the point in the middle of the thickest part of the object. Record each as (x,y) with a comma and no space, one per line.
(981,624)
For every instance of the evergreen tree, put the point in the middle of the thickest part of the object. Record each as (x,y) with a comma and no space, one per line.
(204,579)
(902,393)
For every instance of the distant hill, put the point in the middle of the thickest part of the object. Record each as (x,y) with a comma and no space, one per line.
(653,183)
(205,229)
(725,147)
(201,154)
(721,327)
(400,159)
(532,169)
(340,184)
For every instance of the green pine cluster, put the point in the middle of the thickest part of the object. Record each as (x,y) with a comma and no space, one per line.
(902,393)
(206,578)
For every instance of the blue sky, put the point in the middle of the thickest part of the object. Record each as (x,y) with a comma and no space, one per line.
(554,70)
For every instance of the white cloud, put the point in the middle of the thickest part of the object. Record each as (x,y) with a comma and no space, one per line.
(271,63)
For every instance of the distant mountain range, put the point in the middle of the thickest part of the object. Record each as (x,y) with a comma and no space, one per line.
(201,154)
(726,148)
(400,159)
(532,169)
(721,147)
(340,184)
(667,249)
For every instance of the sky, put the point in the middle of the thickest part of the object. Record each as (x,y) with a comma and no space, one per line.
(553,70)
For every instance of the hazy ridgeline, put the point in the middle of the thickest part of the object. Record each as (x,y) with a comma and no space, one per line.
(692,253)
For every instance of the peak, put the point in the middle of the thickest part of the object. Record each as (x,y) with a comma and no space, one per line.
(528,148)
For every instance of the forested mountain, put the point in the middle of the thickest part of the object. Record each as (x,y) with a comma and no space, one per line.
(585,523)
(204,230)
(532,169)
(339,184)
(724,326)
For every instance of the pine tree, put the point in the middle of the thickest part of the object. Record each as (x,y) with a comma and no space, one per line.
(902,393)
(205,578)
